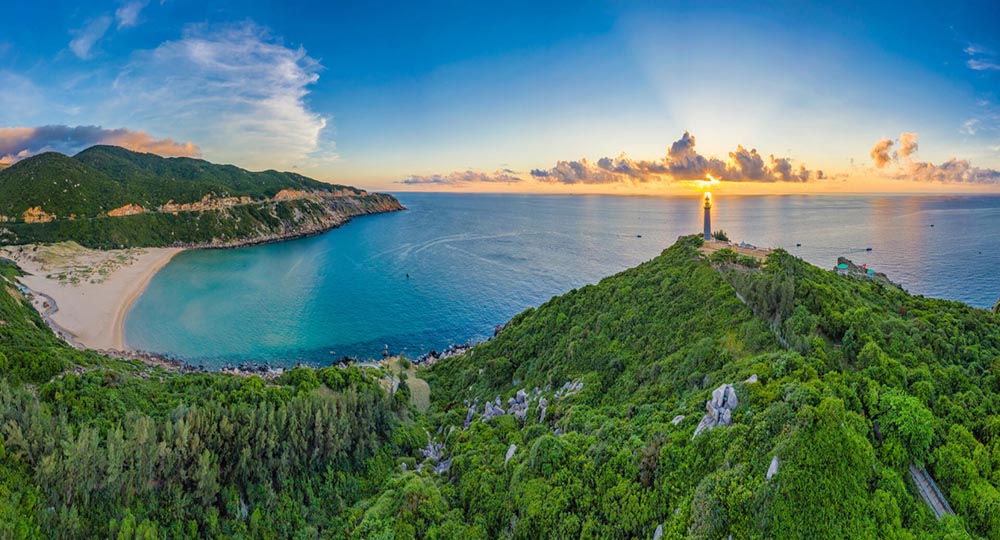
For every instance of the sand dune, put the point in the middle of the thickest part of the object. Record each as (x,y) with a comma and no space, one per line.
(93,290)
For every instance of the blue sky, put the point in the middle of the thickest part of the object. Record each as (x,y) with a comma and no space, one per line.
(460,95)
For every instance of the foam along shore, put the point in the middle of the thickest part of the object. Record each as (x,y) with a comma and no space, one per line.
(91,290)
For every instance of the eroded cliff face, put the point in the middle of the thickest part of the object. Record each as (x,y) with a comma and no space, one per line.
(295,217)
(35,214)
(127,210)
(206,203)
(217,223)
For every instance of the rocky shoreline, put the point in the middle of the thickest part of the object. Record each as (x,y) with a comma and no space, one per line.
(333,220)
(265,370)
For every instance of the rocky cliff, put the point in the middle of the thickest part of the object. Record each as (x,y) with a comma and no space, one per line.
(304,216)
(212,223)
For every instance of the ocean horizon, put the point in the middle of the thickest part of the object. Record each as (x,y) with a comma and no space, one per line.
(453,266)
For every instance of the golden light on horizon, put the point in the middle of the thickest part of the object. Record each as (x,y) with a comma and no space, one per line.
(702,185)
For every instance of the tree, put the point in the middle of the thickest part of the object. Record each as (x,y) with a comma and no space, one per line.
(908,422)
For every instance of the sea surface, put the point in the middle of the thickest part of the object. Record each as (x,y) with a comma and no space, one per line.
(453,266)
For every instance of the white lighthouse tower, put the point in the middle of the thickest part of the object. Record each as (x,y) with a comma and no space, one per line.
(708,217)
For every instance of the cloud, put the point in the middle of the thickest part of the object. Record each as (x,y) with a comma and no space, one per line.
(907,144)
(682,162)
(17,143)
(880,153)
(128,14)
(83,44)
(952,171)
(458,178)
(969,127)
(981,58)
(236,89)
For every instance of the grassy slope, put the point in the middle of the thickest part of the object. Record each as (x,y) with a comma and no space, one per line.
(60,185)
(185,180)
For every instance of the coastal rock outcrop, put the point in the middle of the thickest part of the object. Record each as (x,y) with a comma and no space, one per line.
(510,453)
(518,405)
(433,356)
(773,469)
(719,409)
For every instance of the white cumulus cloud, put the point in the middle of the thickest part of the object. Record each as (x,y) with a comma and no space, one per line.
(952,171)
(236,89)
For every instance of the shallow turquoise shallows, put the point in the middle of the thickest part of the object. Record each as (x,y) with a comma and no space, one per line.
(474,261)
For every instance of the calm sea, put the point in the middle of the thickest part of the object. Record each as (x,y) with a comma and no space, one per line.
(452,267)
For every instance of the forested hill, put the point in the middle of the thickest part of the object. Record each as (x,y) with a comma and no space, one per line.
(872,381)
(108,196)
(584,418)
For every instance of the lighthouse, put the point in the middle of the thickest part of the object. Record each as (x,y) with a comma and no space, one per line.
(708,217)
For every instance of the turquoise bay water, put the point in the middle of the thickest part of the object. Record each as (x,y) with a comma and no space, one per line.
(474,261)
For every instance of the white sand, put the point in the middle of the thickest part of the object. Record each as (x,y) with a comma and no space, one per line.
(92,289)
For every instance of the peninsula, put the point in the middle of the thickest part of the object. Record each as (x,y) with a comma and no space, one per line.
(108,197)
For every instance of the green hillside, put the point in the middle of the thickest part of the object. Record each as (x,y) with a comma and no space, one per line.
(59,184)
(230,205)
(185,180)
(846,382)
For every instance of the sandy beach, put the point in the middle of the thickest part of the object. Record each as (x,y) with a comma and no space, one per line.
(93,290)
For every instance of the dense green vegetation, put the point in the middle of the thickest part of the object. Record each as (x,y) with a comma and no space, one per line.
(855,381)
(114,449)
(80,190)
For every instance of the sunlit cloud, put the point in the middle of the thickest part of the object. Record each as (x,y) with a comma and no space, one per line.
(881,152)
(17,143)
(85,38)
(236,89)
(907,144)
(459,178)
(682,163)
(952,171)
